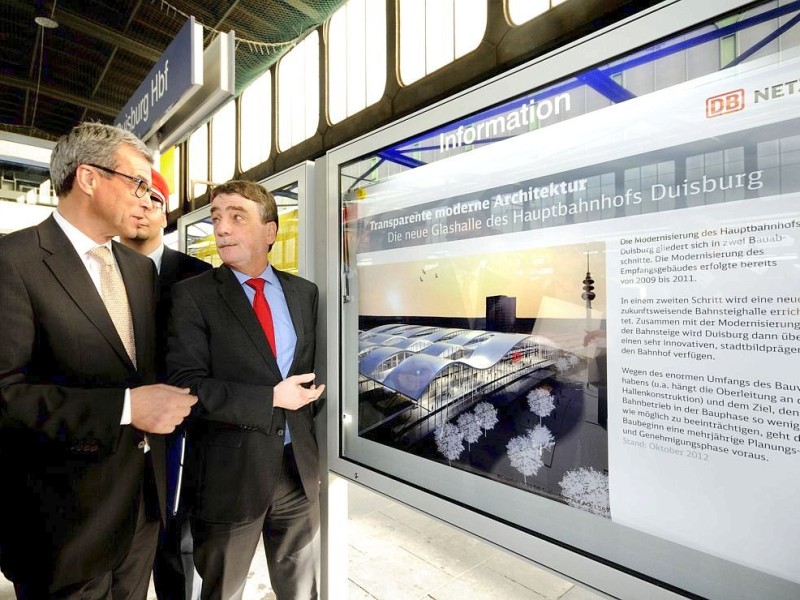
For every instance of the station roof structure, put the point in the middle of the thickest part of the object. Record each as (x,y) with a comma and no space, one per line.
(67,61)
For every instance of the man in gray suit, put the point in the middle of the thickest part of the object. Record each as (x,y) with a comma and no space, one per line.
(242,337)
(81,484)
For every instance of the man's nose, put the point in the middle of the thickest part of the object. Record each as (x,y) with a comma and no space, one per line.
(145,202)
(221,226)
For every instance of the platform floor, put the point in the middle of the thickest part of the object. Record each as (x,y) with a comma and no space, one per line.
(396,553)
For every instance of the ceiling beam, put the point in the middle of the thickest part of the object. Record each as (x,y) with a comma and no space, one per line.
(101,77)
(59,94)
(306,9)
(220,21)
(82,25)
(226,14)
(264,29)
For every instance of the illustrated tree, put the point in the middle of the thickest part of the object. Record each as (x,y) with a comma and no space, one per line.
(542,436)
(541,402)
(586,488)
(562,364)
(449,441)
(470,428)
(486,414)
(525,455)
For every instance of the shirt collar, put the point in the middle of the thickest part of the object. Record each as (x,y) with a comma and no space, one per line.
(79,240)
(267,274)
(157,256)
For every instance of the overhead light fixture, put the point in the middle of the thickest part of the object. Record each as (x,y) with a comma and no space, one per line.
(46,22)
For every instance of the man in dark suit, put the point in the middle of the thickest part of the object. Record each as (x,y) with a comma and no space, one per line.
(252,461)
(81,479)
(173,570)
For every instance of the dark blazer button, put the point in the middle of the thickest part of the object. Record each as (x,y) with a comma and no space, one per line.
(279,432)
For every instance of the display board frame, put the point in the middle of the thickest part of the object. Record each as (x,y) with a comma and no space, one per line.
(646,565)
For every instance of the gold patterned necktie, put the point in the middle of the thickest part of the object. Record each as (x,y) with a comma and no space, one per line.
(112,290)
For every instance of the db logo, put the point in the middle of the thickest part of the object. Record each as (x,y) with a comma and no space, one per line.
(729,102)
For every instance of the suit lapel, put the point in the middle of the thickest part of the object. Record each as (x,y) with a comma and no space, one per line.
(168,273)
(234,297)
(69,270)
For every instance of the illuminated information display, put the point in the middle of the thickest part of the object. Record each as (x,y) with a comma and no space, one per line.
(591,295)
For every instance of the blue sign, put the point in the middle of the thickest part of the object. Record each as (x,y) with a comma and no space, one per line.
(176,75)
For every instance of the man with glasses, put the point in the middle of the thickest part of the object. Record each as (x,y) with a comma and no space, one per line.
(82,474)
(173,571)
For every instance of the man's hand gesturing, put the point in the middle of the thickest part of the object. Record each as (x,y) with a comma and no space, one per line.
(291,394)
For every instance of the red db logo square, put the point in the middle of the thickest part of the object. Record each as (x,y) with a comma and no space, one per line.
(726,103)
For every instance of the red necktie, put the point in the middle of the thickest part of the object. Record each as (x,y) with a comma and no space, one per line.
(263,313)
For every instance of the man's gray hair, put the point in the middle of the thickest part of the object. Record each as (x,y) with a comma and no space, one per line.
(89,143)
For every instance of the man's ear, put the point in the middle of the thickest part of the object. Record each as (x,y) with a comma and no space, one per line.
(272,227)
(86,179)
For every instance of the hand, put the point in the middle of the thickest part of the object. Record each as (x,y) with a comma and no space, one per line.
(291,394)
(160,408)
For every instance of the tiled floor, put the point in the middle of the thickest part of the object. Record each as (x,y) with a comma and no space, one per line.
(396,553)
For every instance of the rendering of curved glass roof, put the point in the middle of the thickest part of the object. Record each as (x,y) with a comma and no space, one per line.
(415,371)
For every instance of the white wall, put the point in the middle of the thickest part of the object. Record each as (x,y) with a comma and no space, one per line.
(14,216)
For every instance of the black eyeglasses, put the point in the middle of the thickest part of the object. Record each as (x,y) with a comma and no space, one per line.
(141,185)
(157,202)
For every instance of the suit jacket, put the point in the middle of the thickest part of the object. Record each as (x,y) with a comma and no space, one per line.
(235,443)
(175,266)
(71,474)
